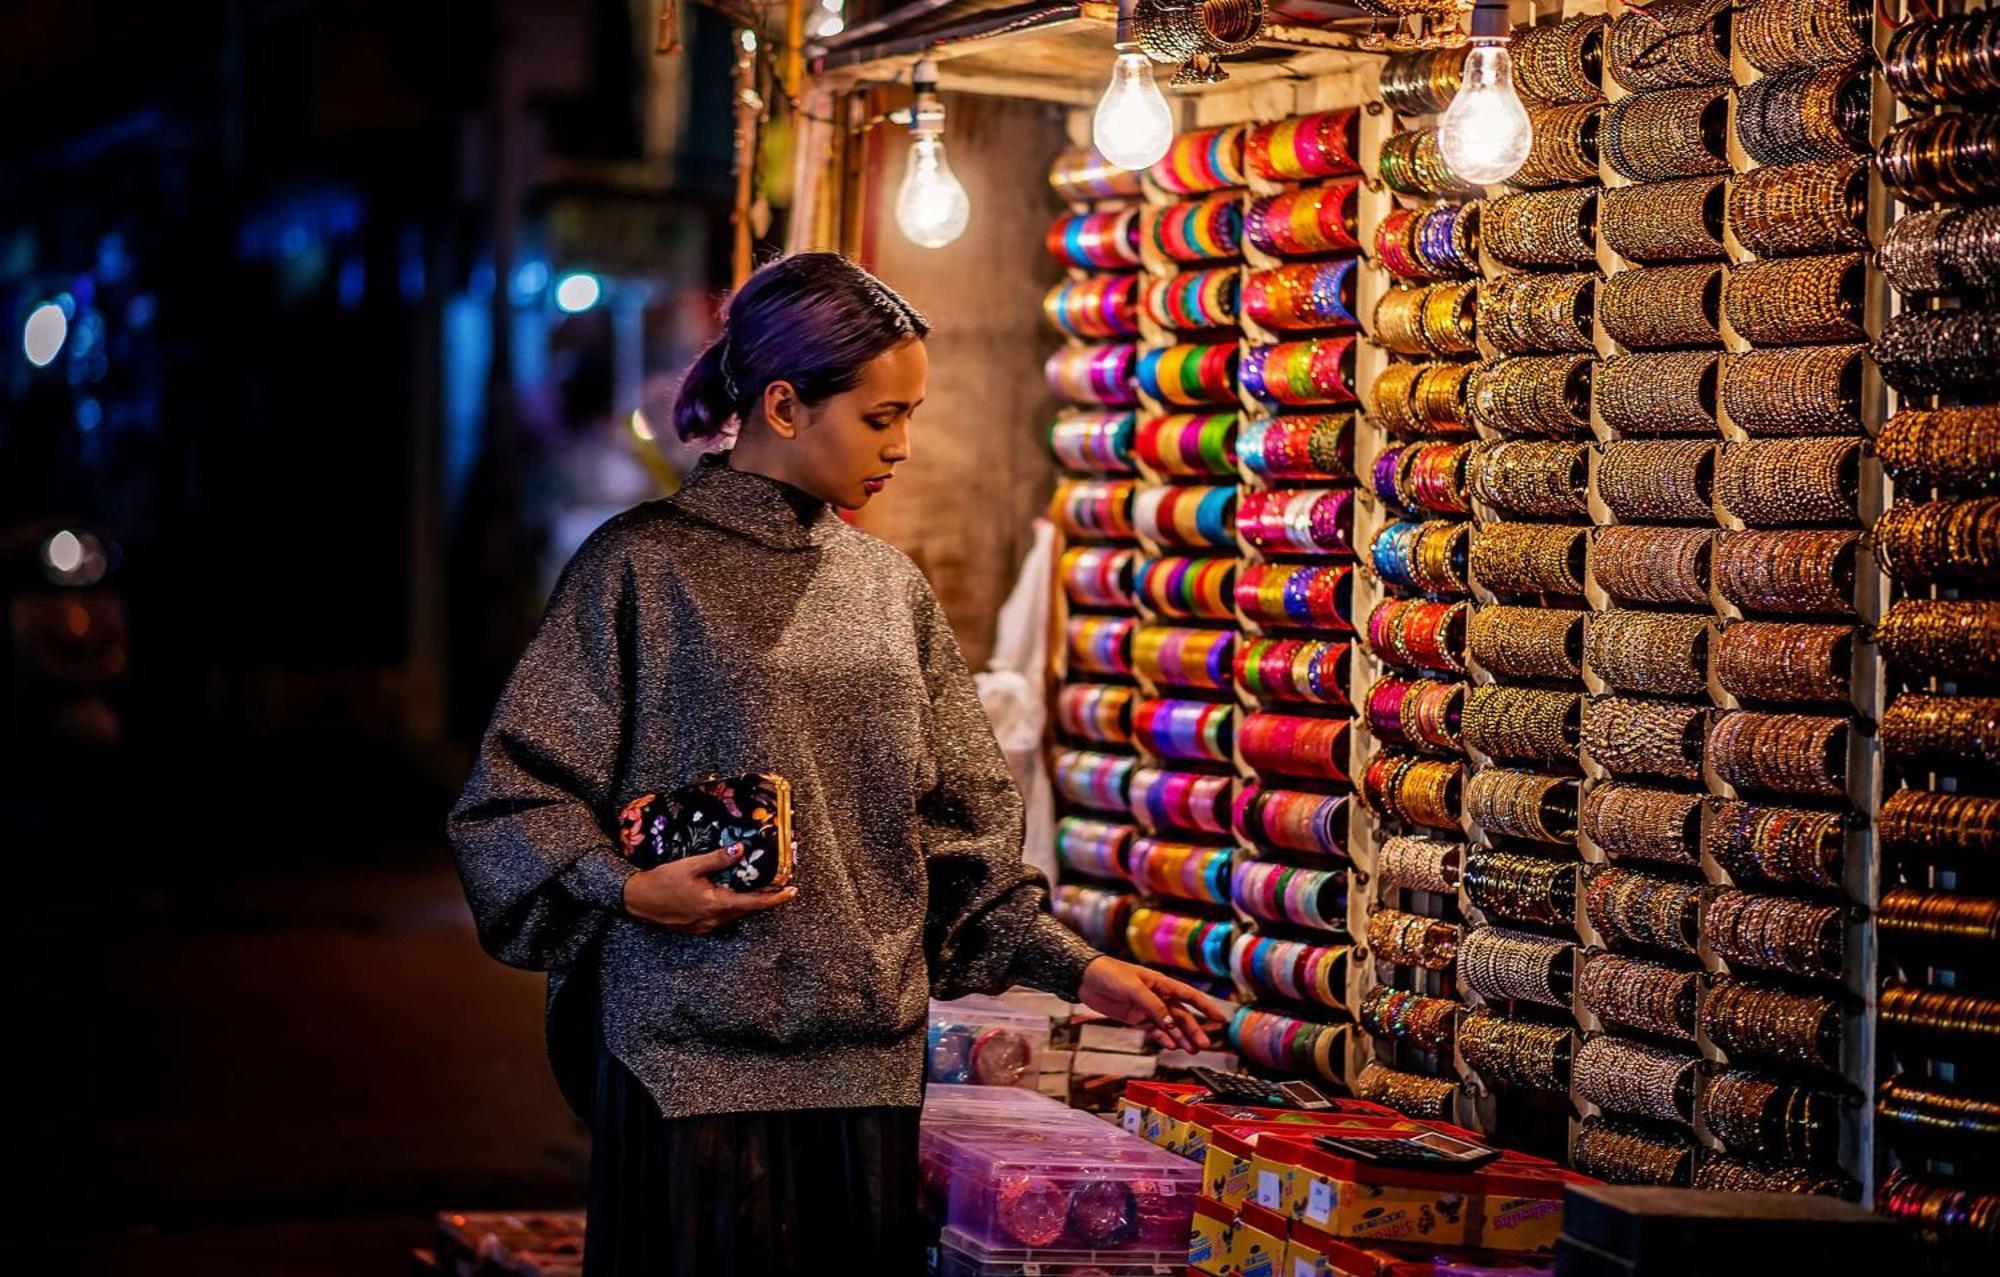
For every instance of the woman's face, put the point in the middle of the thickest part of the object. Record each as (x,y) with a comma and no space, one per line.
(844,450)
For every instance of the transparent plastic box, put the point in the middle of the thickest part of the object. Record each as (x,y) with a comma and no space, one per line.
(980,1041)
(946,1105)
(960,1255)
(1015,1113)
(1066,1188)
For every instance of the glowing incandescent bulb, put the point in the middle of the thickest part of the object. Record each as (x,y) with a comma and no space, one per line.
(1485,132)
(1133,126)
(931,206)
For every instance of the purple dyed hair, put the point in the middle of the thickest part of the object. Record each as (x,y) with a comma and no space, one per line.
(813,320)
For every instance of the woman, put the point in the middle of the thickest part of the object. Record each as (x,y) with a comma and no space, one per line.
(758,1058)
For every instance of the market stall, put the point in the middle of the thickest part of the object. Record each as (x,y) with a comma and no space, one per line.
(1523,616)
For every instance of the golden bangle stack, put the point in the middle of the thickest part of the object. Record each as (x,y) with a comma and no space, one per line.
(1560,63)
(1662,306)
(1627,736)
(1540,229)
(1671,392)
(1678,220)
(1656,652)
(1529,558)
(1658,480)
(1813,390)
(1796,300)
(1524,313)
(1522,723)
(1770,483)
(1627,820)
(1669,44)
(1530,477)
(1563,150)
(1533,395)
(1528,642)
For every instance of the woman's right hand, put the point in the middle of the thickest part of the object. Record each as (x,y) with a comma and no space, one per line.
(678,895)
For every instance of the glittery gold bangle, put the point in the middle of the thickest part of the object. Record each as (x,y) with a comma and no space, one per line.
(1629,1153)
(1795,209)
(1669,44)
(1787,482)
(1775,34)
(1784,661)
(1651,652)
(1543,228)
(1529,558)
(1650,137)
(1560,62)
(1662,306)
(1533,395)
(1807,391)
(1530,477)
(1796,300)
(1658,393)
(1627,737)
(1626,820)
(1564,147)
(1523,313)
(1672,221)
(1528,642)
(1788,572)
(1653,565)
(1658,480)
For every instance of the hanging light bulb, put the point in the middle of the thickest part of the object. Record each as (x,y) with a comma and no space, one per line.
(931,207)
(1485,133)
(1133,126)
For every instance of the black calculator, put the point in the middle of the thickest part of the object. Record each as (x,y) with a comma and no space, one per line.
(1255,1092)
(1429,1150)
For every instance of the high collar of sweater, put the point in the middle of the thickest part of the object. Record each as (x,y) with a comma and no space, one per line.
(767,510)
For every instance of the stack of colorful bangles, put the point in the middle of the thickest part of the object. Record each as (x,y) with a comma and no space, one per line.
(1177,940)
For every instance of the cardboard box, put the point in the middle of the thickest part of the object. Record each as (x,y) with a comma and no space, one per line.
(1128,1039)
(1257,1243)
(1512,1204)
(1311,1252)
(1208,1237)
(1148,1096)
(1192,1117)
(1112,1064)
(1226,1167)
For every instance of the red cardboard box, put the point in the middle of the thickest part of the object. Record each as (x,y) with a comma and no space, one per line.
(1512,1204)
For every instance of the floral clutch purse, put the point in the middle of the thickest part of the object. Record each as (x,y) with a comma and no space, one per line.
(711,813)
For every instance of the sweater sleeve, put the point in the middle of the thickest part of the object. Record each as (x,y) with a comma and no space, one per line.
(988,924)
(540,871)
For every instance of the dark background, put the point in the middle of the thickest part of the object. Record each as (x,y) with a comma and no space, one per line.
(274,523)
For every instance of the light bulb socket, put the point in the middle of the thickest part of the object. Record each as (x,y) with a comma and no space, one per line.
(1489,21)
(926,107)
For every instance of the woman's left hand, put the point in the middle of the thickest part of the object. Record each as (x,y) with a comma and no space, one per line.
(1133,994)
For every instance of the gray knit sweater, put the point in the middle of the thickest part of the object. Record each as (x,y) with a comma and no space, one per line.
(722,631)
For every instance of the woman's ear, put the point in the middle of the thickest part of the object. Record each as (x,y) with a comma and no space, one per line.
(782,409)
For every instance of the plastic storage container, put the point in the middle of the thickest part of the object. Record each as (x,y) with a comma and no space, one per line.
(982,1041)
(947,1105)
(962,1256)
(1067,1189)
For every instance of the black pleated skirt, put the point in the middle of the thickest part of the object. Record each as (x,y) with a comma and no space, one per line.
(807,1191)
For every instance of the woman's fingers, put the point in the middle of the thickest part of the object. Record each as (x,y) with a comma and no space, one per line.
(1171,1022)
(742,902)
(1186,994)
(1190,1027)
(709,862)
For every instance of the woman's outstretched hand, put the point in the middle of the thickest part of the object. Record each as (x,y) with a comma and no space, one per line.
(679,896)
(1139,995)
